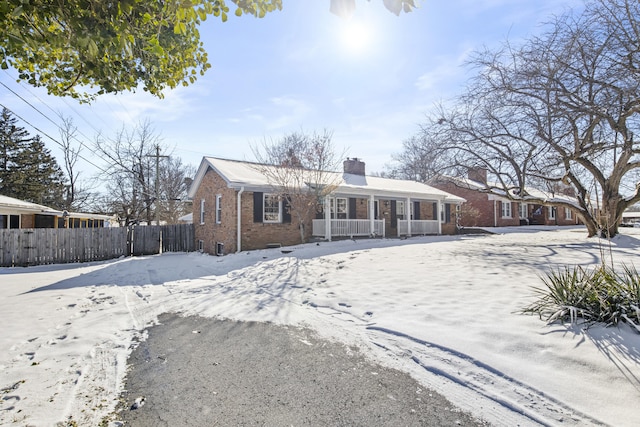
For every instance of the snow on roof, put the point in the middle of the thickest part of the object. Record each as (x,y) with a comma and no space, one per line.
(498,193)
(249,175)
(186,218)
(11,204)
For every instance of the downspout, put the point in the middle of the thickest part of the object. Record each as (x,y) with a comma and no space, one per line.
(239,208)
(495,213)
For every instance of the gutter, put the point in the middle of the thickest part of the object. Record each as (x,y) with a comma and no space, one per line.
(239,231)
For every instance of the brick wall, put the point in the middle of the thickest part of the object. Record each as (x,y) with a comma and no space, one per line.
(257,235)
(210,232)
(485,207)
(253,235)
(27,221)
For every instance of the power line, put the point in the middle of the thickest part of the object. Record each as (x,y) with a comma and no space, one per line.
(50,137)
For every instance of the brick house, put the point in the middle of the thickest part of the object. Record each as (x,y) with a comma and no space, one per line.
(15,213)
(235,208)
(483,209)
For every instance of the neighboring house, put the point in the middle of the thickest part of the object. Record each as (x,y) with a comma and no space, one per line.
(235,208)
(186,219)
(630,218)
(491,210)
(15,213)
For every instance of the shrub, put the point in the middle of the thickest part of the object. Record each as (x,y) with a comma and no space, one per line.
(595,295)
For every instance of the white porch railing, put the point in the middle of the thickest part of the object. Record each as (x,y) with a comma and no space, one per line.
(418,227)
(349,227)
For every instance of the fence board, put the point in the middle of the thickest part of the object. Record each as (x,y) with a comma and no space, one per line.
(53,246)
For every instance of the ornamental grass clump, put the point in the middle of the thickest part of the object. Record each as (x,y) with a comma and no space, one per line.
(594,295)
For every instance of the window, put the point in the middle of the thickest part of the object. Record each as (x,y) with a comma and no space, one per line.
(218,209)
(400,212)
(552,212)
(201,211)
(506,209)
(272,211)
(568,214)
(524,212)
(339,208)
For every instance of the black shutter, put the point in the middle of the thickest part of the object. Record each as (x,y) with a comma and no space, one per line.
(286,210)
(416,210)
(257,206)
(352,208)
(394,216)
(447,213)
(435,212)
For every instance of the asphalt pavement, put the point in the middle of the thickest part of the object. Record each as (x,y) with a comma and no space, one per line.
(193,371)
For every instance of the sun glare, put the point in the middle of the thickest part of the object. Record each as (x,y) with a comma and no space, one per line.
(356,37)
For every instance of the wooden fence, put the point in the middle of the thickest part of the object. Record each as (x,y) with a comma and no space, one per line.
(56,246)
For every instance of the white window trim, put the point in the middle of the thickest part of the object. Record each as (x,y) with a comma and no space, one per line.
(264,206)
(400,209)
(218,209)
(568,214)
(334,207)
(552,212)
(524,211)
(506,206)
(202,212)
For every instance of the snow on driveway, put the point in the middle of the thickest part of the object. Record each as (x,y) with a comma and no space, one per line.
(443,308)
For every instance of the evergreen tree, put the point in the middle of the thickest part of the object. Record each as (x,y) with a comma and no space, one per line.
(28,171)
(13,139)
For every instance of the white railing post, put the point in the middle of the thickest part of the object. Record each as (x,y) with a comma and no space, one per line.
(327,219)
(407,212)
(372,215)
(439,207)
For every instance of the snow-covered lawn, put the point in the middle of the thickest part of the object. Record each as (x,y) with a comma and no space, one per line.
(443,308)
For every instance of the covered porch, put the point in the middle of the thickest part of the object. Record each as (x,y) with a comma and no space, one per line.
(382,215)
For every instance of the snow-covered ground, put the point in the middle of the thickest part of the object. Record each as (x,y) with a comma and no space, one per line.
(443,308)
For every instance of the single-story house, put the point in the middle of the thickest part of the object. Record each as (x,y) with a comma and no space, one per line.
(15,213)
(235,207)
(483,209)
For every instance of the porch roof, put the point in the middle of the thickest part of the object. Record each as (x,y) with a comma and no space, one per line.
(239,174)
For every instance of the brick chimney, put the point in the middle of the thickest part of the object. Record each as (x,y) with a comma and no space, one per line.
(354,166)
(478,174)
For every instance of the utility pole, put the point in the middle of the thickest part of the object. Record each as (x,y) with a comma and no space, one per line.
(157,184)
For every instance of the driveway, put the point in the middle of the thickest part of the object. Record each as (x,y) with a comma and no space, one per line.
(195,371)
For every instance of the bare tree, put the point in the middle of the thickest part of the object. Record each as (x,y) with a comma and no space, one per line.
(301,168)
(78,192)
(561,110)
(130,174)
(174,179)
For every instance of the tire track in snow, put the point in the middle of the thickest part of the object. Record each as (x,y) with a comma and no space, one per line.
(481,378)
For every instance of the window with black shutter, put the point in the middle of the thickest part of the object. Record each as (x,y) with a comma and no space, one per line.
(416,210)
(394,215)
(257,206)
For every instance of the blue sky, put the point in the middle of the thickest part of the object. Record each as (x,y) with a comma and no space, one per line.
(369,79)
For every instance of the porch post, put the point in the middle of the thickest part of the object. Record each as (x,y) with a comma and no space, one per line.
(372,215)
(407,212)
(327,219)
(439,216)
